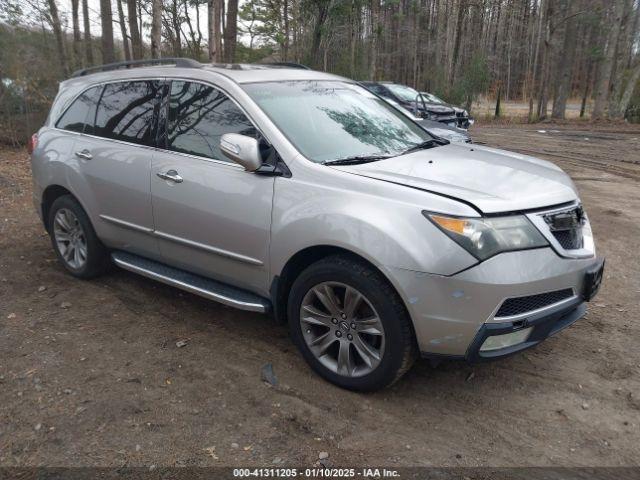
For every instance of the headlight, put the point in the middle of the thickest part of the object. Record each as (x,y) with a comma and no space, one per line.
(488,236)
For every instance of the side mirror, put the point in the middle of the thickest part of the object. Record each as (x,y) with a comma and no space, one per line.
(241,149)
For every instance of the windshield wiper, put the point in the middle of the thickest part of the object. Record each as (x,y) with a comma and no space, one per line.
(432,142)
(356,160)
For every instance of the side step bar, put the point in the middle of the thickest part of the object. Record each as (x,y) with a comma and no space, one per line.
(205,287)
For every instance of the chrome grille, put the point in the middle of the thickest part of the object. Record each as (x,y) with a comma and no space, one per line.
(521,305)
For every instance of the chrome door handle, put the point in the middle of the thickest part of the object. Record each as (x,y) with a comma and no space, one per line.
(84,154)
(170,175)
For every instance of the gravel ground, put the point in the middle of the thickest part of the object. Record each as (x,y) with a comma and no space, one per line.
(92,374)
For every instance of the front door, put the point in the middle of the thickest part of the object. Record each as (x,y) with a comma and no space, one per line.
(211,217)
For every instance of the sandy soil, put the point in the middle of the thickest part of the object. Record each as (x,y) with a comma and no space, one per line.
(486,107)
(90,373)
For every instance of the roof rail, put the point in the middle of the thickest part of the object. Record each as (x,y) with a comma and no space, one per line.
(288,64)
(178,62)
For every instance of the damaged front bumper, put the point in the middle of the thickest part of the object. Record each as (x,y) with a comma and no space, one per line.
(454,316)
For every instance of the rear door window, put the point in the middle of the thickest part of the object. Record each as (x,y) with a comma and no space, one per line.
(127,111)
(198,116)
(79,116)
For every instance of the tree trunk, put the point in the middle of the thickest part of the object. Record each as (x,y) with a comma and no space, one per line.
(88,50)
(199,30)
(57,31)
(215,32)
(177,31)
(231,31)
(193,44)
(285,14)
(543,100)
(534,68)
(136,40)
(123,30)
(106,21)
(625,42)
(156,28)
(456,45)
(322,7)
(604,78)
(77,36)
(632,82)
(563,85)
(375,16)
(585,94)
(211,47)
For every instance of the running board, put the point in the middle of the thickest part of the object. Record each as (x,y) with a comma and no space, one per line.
(205,287)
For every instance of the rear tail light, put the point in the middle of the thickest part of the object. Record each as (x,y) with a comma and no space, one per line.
(33,143)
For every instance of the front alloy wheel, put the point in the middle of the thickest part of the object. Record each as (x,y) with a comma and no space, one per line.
(350,324)
(342,329)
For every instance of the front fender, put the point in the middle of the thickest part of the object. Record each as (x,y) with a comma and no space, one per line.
(384,225)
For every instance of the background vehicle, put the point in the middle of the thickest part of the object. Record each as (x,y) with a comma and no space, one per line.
(453,134)
(464,120)
(302,193)
(413,101)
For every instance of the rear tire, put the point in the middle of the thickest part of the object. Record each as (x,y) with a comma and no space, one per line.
(350,324)
(75,241)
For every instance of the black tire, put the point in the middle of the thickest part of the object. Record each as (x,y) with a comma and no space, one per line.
(400,346)
(97,259)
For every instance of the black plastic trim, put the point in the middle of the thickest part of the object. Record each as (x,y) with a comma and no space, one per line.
(544,325)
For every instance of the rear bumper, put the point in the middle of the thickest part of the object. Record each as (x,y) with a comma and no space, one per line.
(453,315)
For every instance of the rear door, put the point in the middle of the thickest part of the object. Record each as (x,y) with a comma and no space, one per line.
(213,218)
(114,155)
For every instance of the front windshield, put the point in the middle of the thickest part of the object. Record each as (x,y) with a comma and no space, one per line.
(430,97)
(406,94)
(334,120)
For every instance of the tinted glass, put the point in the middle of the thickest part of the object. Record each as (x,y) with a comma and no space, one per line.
(429,97)
(403,92)
(83,108)
(127,111)
(378,90)
(329,120)
(198,116)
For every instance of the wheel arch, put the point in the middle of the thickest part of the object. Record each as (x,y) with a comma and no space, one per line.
(50,195)
(282,282)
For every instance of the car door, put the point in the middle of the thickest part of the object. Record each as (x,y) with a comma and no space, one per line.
(114,155)
(211,217)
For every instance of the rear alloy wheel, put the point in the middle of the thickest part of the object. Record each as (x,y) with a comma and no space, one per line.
(70,238)
(342,329)
(350,324)
(74,240)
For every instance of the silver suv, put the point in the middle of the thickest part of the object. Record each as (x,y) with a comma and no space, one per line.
(300,193)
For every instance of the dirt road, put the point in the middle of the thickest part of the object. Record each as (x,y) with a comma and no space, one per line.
(90,373)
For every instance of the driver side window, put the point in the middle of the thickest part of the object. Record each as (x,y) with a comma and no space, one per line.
(198,116)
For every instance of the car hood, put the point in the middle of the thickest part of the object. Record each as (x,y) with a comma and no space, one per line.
(492,180)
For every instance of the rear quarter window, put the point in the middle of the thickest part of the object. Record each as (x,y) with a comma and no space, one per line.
(79,116)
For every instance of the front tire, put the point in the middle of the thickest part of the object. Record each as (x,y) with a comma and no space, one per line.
(74,240)
(350,324)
